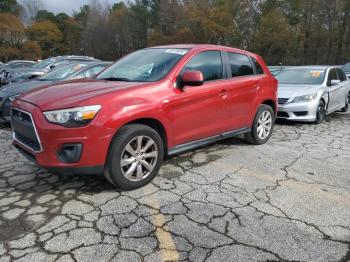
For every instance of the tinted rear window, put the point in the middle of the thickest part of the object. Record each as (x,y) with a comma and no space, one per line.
(240,65)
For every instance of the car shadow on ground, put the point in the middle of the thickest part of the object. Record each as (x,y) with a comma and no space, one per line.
(43,181)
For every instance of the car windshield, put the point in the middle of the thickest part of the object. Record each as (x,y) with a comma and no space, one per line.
(63,72)
(147,65)
(301,76)
(44,63)
(346,67)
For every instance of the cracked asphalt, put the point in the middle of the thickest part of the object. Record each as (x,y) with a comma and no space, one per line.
(288,200)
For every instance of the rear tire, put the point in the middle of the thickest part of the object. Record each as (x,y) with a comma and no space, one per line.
(135,156)
(262,127)
(346,107)
(321,112)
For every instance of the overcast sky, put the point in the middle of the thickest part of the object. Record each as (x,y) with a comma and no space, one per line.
(67,6)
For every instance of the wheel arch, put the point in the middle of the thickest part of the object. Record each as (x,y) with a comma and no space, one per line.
(271,103)
(156,125)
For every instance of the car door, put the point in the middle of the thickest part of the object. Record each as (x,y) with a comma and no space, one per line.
(201,111)
(244,85)
(333,90)
(343,89)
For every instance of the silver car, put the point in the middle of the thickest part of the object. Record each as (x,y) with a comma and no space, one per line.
(309,93)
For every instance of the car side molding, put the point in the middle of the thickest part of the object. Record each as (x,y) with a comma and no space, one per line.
(202,142)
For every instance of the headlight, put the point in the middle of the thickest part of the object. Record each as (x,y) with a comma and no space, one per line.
(73,117)
(306,98)
(12,98)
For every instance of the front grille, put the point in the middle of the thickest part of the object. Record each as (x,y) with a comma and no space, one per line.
(5,107)
(0,107)
(300,113)
(282,114)
(24,131)
(22,116)
(31,143)
(282,101)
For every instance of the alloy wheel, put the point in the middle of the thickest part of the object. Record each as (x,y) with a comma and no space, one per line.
(139,158)
(264,124)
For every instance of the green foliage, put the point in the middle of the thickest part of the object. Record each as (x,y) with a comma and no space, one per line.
(9,6)
(47,35)
(44,15)
(31,50)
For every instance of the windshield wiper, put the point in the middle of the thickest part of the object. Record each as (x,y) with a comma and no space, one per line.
(116,79)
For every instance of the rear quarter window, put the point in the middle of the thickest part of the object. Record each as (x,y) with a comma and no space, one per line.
(258,68)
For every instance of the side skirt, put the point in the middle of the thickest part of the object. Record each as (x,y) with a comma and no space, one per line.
(195,144)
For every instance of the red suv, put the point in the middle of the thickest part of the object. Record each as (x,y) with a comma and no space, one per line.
(152,103)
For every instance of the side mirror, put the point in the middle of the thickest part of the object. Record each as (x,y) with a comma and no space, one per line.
(192,78)
(334,82)
(52,66)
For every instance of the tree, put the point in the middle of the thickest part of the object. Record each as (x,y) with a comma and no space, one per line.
(31,50)
(272,39)
(11,30)
(44,15)
(71,36)
(82,15)
(31,8)
(211,21)
(47,35)
(96,36)
(9,6)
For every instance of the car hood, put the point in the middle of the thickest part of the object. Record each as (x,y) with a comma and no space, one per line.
(72,93)
(21,87)
(290,90)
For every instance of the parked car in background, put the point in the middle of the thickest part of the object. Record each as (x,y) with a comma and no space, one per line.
(154,102)
(13,65)
(41,68)
(275,69)
(63,73)
(346,69)
(309,93)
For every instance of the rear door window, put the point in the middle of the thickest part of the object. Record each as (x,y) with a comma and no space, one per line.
(240,65)
(332,75)
(341,75)
(209,63)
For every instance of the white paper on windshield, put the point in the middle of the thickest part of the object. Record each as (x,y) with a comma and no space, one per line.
(176,51)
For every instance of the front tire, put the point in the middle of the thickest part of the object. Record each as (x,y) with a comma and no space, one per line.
(321,112)
(346,107)
(262,127)
(135,157)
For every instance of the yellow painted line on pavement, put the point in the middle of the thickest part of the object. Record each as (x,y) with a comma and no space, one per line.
(166,243)
(314,189)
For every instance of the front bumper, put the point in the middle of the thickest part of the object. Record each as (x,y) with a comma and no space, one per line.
(304,111)
(5,106)
(95,141)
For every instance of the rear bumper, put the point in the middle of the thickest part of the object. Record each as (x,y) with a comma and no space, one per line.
(95,141)
(305,112)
